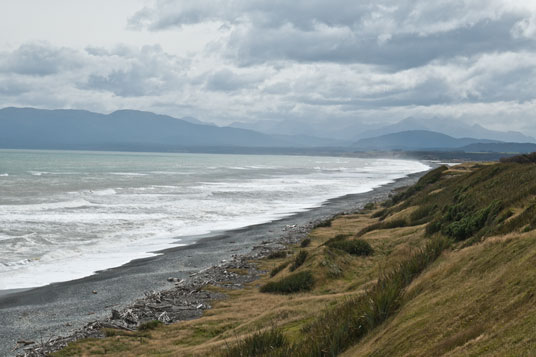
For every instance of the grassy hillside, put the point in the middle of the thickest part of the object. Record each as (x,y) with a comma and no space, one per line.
(446,267)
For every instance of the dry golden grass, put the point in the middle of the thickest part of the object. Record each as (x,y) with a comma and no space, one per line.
(337,276)
(476,301)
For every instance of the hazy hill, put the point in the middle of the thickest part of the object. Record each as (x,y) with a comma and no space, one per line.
(331,128)
(415,140)
(355,129)
(454,128)
(126,130)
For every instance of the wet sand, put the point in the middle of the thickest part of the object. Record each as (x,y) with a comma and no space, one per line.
(58,309)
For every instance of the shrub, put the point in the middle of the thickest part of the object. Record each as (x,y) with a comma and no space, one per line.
(258,344)
(369,206)
(469,225)
(277,254)
(305,243)
(300,259)
(279,268)
(302,281)
(354,247)
(325,223)
(149,325)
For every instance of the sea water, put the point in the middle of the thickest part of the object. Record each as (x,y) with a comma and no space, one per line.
(65,214)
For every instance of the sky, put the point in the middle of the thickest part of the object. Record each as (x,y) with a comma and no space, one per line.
(371,62)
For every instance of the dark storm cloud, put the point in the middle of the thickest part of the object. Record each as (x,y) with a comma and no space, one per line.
(397,34)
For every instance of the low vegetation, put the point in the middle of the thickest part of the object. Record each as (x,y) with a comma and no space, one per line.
(299,260)
(354,246)
(294,283)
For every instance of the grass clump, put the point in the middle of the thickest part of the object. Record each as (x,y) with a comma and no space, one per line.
(302,281)
(300,259)
(369,206)
(278,269)
(278,254)
(261,343)
(305,243)
(149,325)
(395,223)
(325,223)
(354,246)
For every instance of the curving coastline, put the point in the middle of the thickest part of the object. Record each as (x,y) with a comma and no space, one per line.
(60,309)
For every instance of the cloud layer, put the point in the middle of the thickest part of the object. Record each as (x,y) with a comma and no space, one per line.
(307,61)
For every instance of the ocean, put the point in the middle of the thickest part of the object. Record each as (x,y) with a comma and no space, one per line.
(65,215)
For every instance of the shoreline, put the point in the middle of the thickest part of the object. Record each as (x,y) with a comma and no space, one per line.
(64,308)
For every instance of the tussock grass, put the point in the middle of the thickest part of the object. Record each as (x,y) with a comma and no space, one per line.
(299,260)
(394,223)
(354,246)
(149,325)
(305,243)
(278,254)
(278,269)
(297,282)
(261,343)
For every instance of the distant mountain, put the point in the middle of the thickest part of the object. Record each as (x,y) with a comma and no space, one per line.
(509,148)
(416,140)
(454,128)
(125,130)
(330,128)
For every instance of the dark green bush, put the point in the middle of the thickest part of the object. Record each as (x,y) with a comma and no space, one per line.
(149,325)
(354,246)
(258,344)
(470,224)
(305,243)
(302,281)
(277,254)
(369,206)
(300,259)
(326,223)
(279,268)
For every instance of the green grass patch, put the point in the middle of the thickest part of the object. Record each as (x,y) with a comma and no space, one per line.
(305,243)
(299,260)
(297,282)
(262,343)
(278,269)
(278,254)
(354,246)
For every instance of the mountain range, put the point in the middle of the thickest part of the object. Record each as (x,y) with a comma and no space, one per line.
(132,130)
(128,130)
(352,130)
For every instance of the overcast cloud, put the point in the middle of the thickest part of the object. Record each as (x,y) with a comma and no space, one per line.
(246,60)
